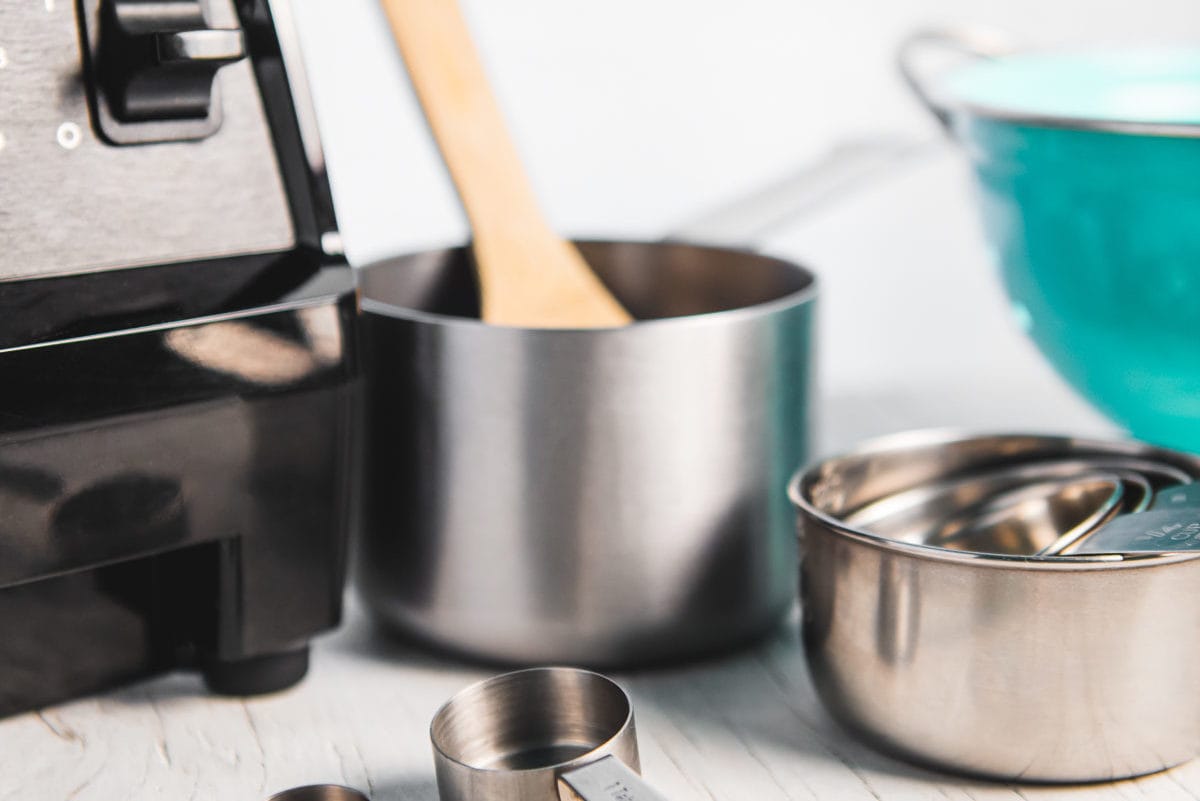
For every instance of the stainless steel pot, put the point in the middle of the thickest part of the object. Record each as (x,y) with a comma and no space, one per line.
(600,497)
(1058,669)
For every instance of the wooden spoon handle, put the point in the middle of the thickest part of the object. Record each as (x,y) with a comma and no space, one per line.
(528,275)
(466,122)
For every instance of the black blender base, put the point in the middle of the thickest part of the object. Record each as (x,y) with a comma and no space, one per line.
(257,675)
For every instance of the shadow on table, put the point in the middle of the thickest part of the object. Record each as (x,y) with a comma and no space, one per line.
(362,636)
(762,701)
(405,788)
(764,692)
(163,688)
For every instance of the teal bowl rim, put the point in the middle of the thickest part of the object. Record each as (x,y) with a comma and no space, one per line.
(975,42)
(1178,130)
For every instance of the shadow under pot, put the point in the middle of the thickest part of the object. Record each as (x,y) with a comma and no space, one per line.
(604,497)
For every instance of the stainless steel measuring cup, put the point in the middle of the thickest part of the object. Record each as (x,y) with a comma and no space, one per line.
(543,734)
(1019,667)
(1026,510)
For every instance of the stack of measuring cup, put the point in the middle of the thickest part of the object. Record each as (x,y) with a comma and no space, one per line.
(1018,607)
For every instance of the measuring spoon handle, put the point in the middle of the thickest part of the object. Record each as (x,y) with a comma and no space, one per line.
(607,779)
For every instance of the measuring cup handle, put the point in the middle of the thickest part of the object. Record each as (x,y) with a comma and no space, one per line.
(607,779)
(970,42)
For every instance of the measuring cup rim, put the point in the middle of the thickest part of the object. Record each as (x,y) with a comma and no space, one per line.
(805,295)
(931,437)
(589,756)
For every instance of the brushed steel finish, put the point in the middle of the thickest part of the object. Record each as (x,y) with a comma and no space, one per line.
(593,497)
(1057,669)
(1133,495)
(1033,518)
(538,735)
(75,209)
(1160,531)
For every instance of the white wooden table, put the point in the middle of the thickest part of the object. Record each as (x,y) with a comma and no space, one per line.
(914,334)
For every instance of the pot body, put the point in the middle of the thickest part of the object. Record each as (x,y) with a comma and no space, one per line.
(1032,675)
(1028,669)
(600,497)
(1098,244)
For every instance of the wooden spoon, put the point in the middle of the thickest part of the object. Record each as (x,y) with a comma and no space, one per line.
(528,275)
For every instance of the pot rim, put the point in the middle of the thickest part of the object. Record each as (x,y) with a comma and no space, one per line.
(806,295)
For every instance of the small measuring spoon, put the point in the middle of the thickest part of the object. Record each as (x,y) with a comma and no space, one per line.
(544,734)
(319,792)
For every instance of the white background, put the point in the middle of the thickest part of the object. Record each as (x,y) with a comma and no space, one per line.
(635,116)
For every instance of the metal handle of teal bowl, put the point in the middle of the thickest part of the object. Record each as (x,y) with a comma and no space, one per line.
(972,42)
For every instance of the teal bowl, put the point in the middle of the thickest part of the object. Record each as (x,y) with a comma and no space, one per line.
(1088,168)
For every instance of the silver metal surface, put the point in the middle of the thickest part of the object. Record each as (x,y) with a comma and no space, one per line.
(1169,530)
(544,734)
(1023,668)
(319,792)
(1038,509)
(1134,495)
(71,206)
(976,42)
(1025,509)
(607,779)
(1183,496)
(1036,519)
(593,497)
(204,45)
